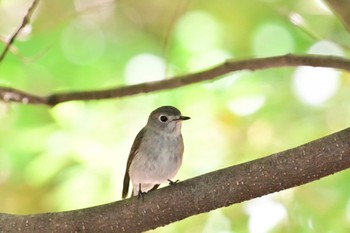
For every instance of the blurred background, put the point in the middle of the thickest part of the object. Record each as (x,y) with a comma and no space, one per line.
(74,154)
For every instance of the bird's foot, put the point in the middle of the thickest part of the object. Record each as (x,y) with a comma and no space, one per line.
(173,182)
(140,194)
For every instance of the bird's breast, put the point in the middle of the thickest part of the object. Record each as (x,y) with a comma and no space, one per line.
(158,159)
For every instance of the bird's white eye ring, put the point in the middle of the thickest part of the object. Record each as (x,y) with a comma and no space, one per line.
(163,118)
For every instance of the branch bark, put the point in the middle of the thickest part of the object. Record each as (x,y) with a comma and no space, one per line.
(201,194)
(25,21)
(14,95)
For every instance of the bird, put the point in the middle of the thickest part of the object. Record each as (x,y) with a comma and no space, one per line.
(156,153)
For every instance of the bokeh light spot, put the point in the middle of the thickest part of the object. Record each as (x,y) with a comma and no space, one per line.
(217,222)
(264,214)
(314,86)
(82,42)
(144,68)
(244,106)
(67,115)
(198,31)
(272,39)
(260,134)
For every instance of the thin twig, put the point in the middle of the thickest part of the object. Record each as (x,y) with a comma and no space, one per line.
(8,94)
(341,9)
(13,95)
(25,21)
(210,74)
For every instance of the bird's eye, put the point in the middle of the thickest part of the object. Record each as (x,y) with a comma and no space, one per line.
(163,118)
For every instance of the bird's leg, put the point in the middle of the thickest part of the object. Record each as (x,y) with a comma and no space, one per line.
(140,193)
(173,182)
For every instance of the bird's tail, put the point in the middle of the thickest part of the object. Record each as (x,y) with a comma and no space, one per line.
(126,185)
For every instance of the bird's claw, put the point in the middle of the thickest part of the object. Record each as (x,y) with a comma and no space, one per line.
(173,182)
(140,193)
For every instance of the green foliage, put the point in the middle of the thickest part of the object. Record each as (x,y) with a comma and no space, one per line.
(74,155)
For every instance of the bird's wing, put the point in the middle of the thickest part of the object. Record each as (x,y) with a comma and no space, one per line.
(134,148)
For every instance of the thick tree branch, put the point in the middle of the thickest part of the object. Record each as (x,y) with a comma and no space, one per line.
(201,194)
(25,21)
(341,8)
(10,94)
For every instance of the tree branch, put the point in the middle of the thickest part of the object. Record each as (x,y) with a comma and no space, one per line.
(25,21)
(341,9)
(201,194)
(13,95)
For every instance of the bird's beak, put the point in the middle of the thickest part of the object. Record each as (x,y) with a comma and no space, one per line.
(183,118)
